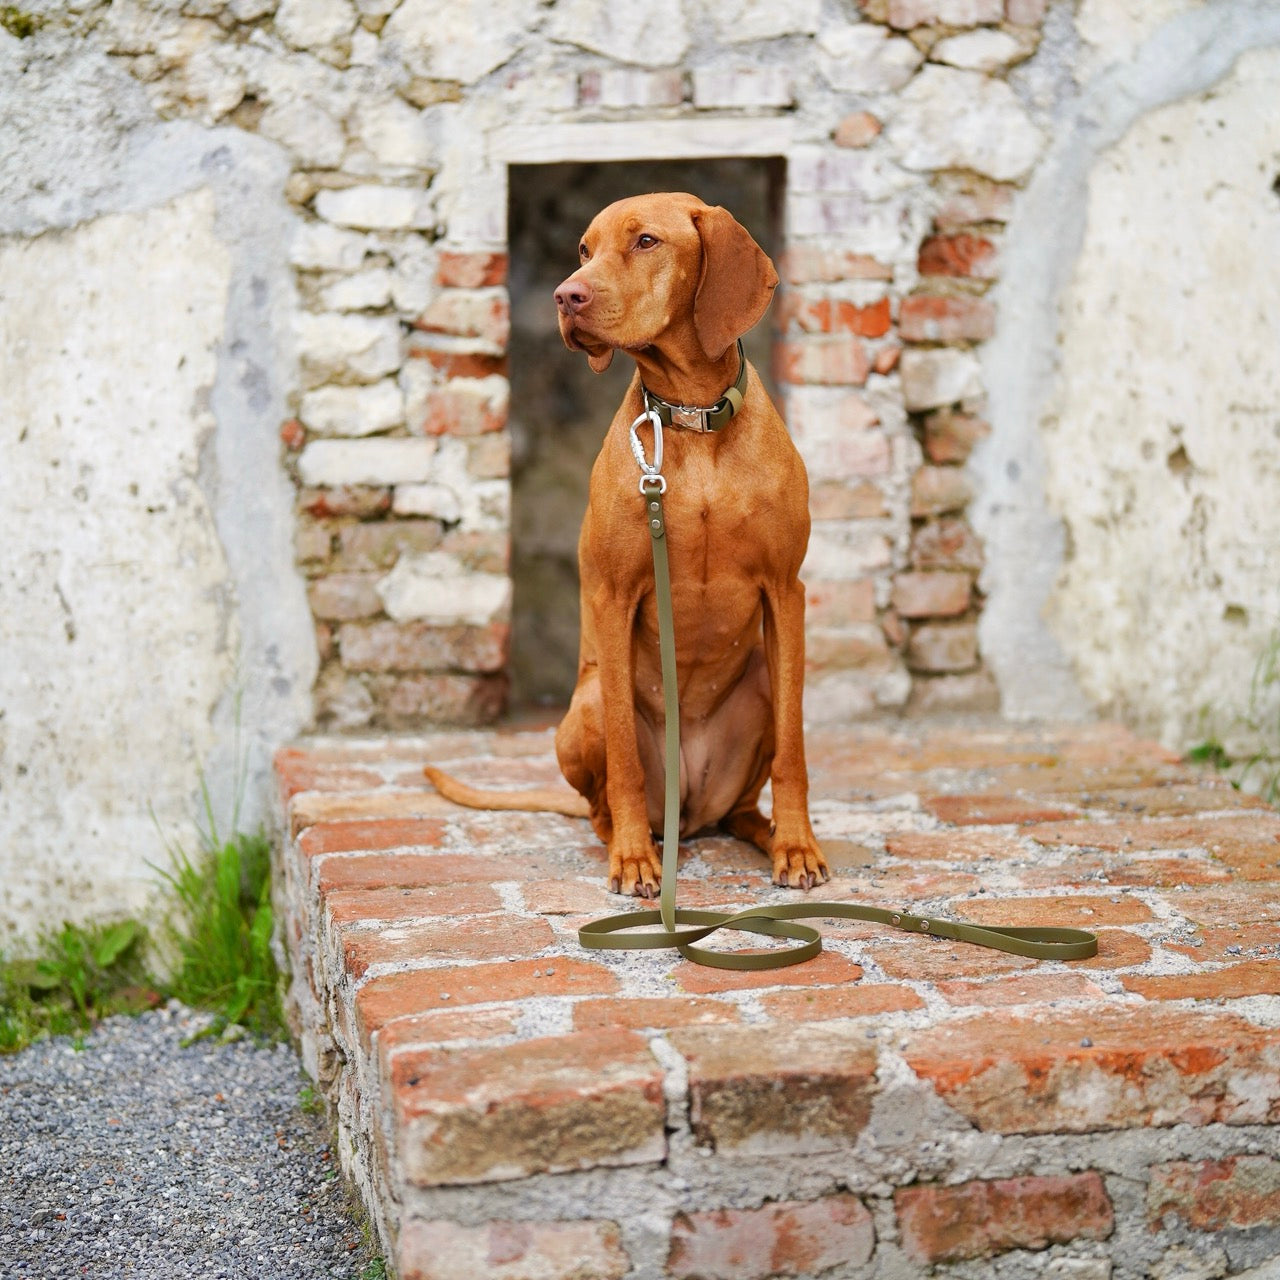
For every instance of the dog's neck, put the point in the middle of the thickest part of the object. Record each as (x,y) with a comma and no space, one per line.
(674,373)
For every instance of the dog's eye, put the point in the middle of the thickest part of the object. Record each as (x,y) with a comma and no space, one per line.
(583,252)
(646,241)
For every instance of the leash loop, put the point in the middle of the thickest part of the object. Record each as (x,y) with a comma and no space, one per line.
(626,931)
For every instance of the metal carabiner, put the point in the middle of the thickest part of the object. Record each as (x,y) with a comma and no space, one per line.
(650,471)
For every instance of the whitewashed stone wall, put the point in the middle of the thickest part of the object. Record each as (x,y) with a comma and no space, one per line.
(254,293)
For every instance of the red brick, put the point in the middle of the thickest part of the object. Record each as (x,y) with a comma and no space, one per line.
(1025,13)
(785,1238)
(1236,1193)
(823,1004)
(938,592)
(1078,1071)
(293,434)
(1254,978)
(463,313)
(943,646)
(298,770)
(1256,829)
(951,436)
(1226,905)
(954,846)
(971,691)
(485,938)
(935,491)
(311,807)
(754,1092)
(419,646)
(456,270)
(981,1219)
(379,544)
(420,870)
(399,994)
(408,701)
(946,544)
(968,199)
(926,317)
(1167,873)
(549,1105)
(362,501)
(887,358)
(461,364)
(857,130)
(962,254)
(489,457)
(931,960)
(799,314)
(1080,912)
(639,1013)
(386,833)
(526,1250)
(1117,949)
(821,361)
(840,604)
(418,1030)
(1223,942)
(340,597)
(1022,988)
(828,968)
(991,809)
(567,897)
(387,905)
(814,264)
(464,407)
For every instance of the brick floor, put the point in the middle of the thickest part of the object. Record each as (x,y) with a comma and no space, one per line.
(511,1105)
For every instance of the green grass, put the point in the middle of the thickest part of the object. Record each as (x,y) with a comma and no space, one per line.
(1256,769)
(218,932)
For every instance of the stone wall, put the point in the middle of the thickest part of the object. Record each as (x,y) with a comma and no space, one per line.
(298,327)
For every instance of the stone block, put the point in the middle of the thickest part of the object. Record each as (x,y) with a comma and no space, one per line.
(926,317)
(984,51)
(981,1219)
(971,691)
(939,593)
(656,35)
(823,169)
(368,290)
(395,134)
(865,58)
(943,646)
(434,587)
(362,502)
(306,130)
(1025,13)
(952,119)
(337,347)
(435,500)
(408,701)
(371,207)
(462,41)
(738,21)
(783,1238)
(933,378)
(578,1101)
(319,246)
(742,87)
(353,411)
(504,1250)
(313,24)
(378,544)
(378,461)
(343,596)
(753,1092)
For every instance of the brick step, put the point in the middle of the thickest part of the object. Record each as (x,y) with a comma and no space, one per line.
(512,1107)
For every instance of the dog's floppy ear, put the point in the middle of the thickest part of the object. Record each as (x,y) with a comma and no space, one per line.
(601,362)
(736,284)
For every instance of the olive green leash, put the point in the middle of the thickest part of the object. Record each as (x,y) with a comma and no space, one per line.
(624,932)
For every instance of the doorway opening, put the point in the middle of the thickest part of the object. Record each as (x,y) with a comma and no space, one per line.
(560,410)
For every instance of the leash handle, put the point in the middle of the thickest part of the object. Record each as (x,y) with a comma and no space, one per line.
(621,932)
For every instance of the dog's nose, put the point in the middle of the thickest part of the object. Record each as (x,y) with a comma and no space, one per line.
(572,296)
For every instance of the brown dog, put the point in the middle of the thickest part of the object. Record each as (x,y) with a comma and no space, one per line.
(673,283)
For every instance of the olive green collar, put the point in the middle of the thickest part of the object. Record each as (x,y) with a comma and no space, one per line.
(693,418)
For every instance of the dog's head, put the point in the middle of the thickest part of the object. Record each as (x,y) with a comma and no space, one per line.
(657,265)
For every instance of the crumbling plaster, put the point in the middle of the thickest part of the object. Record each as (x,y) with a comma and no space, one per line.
(1133,300)
(148,599)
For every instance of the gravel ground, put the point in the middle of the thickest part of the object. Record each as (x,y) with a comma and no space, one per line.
(133,1156)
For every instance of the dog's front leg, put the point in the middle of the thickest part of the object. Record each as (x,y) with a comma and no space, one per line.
(634,865)
(797,859)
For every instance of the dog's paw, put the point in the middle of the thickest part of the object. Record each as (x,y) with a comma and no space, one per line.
(799,864)
(636,869)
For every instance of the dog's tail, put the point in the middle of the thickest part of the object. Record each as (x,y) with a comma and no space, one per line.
(534,800)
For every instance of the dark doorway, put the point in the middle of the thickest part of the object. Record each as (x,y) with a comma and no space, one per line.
(560,410)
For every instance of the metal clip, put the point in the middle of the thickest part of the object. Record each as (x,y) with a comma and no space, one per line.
(651,472)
